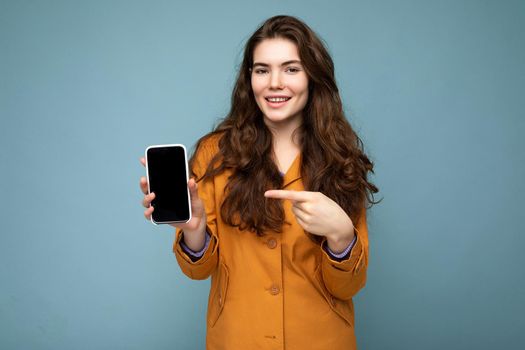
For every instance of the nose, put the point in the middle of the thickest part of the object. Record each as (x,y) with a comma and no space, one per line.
(276,81)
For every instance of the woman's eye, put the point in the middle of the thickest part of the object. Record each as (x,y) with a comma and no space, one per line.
(260,71)
(292,70)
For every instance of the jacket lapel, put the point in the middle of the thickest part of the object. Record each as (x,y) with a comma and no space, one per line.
(294,172)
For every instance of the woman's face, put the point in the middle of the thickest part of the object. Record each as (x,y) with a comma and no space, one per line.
(279,82)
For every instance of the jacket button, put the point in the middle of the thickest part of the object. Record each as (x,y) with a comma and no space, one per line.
(274,289)
(271,243)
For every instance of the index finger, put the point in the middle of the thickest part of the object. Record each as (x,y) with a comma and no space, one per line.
(298,196)
(143,161)
(144,185)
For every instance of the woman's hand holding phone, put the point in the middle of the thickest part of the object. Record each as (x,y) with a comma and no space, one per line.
(195,228)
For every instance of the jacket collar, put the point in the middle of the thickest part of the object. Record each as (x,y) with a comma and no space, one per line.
(294,171)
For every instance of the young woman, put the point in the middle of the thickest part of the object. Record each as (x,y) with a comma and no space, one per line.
(279,195)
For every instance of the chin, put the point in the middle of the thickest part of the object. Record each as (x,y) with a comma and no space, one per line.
(276,115)
(277,118)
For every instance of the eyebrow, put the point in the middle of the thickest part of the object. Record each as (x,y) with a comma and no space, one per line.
(282,64)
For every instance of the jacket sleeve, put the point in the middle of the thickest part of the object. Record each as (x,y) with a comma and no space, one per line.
(203,267)
(343,279)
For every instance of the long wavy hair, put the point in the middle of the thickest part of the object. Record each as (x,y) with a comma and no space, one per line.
(333,159)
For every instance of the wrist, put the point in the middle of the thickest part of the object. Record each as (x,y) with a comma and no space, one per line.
(338,242)
(195,238)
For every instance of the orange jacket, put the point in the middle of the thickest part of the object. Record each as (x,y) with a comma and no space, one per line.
(279,291)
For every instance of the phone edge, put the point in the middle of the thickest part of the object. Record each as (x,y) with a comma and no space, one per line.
(156,223)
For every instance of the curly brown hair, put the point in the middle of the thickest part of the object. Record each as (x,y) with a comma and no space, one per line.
(333,159)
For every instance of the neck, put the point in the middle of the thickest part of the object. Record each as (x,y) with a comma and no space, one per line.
(285,141)
(284,134)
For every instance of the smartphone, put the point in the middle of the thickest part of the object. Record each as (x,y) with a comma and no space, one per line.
(167,174)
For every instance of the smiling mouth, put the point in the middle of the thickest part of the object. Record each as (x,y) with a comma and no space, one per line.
(277,99)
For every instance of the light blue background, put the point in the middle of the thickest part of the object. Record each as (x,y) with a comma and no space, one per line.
(435,89)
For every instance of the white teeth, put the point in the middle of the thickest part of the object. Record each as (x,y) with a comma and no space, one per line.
(278,99)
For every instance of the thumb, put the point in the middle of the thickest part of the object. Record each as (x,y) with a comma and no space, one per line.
(192,186)
(197,206)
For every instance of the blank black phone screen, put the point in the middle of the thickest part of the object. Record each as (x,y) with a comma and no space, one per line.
(167,178)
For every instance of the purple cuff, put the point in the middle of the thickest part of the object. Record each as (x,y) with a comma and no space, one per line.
(345,254)
(196,255)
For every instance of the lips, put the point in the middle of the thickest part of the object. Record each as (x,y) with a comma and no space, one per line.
(277,100)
